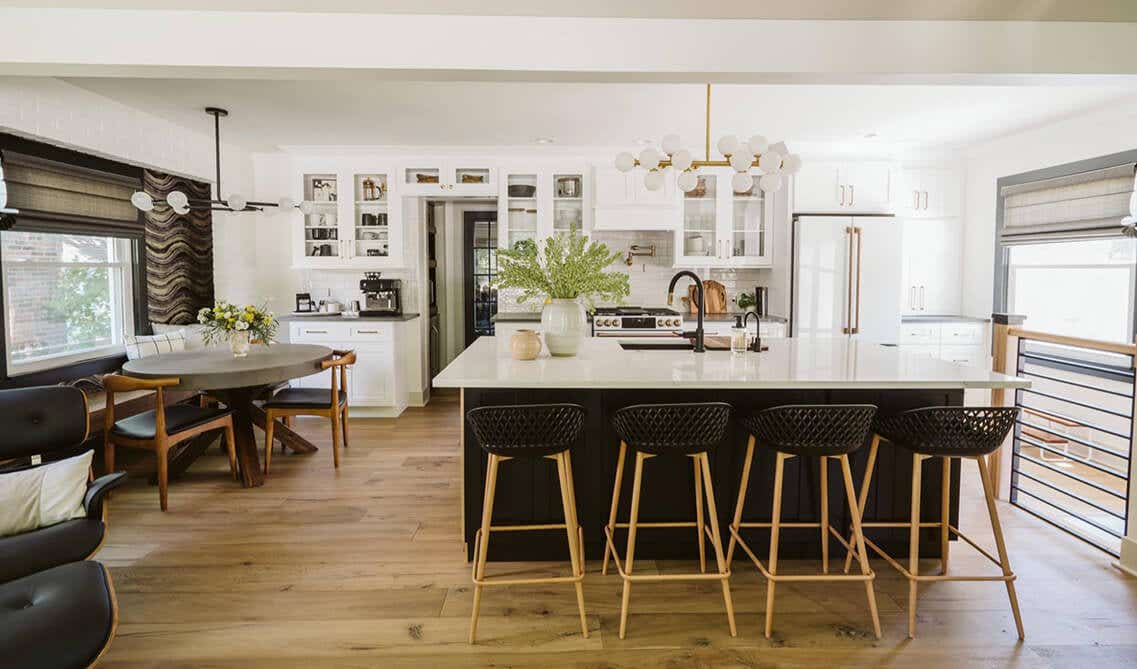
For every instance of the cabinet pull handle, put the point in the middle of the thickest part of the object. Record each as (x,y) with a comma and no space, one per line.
(922,305)
(925,200)
(367,332)
(916,200)
(315,332)
(857,324)
(848,329)
(852,194)
(842,195)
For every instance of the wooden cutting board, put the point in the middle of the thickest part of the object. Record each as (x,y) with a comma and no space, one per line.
(715,297)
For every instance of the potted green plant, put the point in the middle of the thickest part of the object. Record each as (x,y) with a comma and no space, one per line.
(569,271)
(237,325)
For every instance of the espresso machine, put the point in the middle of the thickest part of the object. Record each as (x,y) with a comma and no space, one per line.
(381,297)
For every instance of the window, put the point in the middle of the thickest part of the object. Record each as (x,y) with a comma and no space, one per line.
(67,298)
(1075,288)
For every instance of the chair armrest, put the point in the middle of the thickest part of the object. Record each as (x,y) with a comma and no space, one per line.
(97,492)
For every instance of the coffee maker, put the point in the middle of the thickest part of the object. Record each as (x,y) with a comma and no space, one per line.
(381,297)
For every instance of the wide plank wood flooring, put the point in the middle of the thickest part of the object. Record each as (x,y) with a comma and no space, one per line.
(364,568)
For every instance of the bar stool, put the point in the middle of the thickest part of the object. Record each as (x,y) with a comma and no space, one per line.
(690,430)
(946,433)
(825,431)
(528,432)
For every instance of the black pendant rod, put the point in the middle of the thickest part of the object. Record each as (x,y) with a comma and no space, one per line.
(217,113)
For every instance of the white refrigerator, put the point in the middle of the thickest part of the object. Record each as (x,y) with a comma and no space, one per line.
(847,278)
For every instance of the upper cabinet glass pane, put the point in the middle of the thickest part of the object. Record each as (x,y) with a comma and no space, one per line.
(521,193)
(370,230)
(471,175)
(568,203)
(700,237)
(321,227)
(748,229)
(421,175)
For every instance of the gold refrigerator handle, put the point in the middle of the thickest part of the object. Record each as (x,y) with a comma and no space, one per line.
(848,329)
(857,322)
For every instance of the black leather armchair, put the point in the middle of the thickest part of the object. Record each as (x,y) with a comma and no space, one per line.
(40,421)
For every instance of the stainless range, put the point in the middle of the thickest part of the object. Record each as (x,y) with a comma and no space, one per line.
(636,322)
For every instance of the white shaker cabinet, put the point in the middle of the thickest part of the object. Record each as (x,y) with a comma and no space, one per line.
(928,192)
(355,217)
(931,257)
(451,178)
(535,203)
(374,381)
(724,229)
(621,201)
(832,187)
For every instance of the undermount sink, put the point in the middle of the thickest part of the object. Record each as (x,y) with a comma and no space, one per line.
(669,346)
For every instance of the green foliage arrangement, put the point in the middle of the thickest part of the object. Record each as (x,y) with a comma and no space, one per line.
(225,318)
(570,267)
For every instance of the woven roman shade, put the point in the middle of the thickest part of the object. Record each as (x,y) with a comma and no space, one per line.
(1088,205)
(48,196)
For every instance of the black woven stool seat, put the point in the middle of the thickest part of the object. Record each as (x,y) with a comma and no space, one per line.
(811,429)
(527,430)
(949,431)
(672,429)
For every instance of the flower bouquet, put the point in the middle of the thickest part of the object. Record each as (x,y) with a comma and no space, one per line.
(238,325)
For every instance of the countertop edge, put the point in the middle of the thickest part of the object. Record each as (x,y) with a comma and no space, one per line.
(340,319)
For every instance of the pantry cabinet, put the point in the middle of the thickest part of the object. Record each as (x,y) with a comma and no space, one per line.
(449,178)
(374,380)
(534,204)
(931,260)
(724,229)
(351,218)
(833,187)
(928,192)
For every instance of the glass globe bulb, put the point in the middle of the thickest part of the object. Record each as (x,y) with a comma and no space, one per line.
(177,199)
(142,200)
(770,182)
(792,164)
(671,144)
(687,182)
(742,182)
(780,148)
(728,145)
(285,203)
(653,180)
(649,158)
(770,162)
(625,161)
(741,161)
(307,208)
(681,160)
(758,144)
(182,211)
(237,202)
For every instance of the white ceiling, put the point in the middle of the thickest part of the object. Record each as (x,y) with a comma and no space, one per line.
(1036,10)
(269,114)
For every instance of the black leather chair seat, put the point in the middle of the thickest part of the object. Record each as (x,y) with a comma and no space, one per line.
(69,541)
(60,618)
(303,398)
(178,417)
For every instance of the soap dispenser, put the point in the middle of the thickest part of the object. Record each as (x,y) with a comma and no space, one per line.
(738,336)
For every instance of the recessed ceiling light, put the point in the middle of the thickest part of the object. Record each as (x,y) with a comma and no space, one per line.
(870,135)
(544,140)
(644,141)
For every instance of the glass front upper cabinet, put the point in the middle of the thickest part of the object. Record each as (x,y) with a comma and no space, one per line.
(321,227)
(700,221)
(371,232)
(749,241)
(568,203)
(521,209)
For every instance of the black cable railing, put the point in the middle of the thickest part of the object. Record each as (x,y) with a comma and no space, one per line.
(1071,452)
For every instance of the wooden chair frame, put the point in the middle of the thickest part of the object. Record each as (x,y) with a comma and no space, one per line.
(162,441)
(571,526)
(855,544)
(704,491)
(912,573)
(336,411)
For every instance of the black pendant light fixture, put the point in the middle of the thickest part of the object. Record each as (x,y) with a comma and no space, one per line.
(235,202)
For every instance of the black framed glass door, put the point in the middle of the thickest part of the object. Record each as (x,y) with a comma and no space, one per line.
(481,273)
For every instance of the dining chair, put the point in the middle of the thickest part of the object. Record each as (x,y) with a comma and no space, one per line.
(330,403)
(162,427)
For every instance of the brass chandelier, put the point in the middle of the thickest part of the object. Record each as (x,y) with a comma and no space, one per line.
(772,161)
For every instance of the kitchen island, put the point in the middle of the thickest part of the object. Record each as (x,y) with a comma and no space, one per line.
(605,377)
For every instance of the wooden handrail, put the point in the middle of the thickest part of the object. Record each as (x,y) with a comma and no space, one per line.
(1079,342)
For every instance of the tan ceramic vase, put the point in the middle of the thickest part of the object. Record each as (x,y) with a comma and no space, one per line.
(525,345)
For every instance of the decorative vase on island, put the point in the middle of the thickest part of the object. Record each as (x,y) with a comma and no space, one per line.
(525,345)
(239,343)
(564,325)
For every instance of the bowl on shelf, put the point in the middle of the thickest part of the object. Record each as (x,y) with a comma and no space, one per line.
(522,190)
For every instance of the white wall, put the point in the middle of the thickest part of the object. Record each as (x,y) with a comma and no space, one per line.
(1081,137)
(60,113)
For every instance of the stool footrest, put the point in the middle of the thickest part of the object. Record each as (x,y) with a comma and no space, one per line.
(714,576)
(798,577)
(528,581)
(526,528)
(938,577)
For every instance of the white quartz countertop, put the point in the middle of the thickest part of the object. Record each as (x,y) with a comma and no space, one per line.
(790,363)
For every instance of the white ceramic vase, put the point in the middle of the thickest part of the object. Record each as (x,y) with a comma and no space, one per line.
(564,325)
(239,343)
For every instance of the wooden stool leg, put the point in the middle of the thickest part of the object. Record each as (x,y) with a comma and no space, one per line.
(914,542)
(697,466)
(615,504)
(631,554)
(945,512)
(336,439)
(270,421)
(824,483)
(741,499)
(716,540)
(862,500)
(231,449)
(1000,544)
(859,541)
(570,529)
(483,541)
(775,520)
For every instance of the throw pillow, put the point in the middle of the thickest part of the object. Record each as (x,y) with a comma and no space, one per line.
(144,346)
(44,495)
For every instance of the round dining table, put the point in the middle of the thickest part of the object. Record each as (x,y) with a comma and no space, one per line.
(238,382)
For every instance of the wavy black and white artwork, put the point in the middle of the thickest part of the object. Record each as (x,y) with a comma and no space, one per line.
(179,252)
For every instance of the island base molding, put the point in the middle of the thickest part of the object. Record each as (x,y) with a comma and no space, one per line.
(530,495)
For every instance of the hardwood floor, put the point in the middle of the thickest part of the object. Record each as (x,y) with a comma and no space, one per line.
(365,568)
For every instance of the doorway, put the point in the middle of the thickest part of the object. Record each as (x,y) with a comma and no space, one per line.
(480,236)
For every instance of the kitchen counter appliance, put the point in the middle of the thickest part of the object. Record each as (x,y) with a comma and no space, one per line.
(381,297)
(637,322)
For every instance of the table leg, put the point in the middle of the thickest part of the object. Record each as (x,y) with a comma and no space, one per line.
(240,401)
